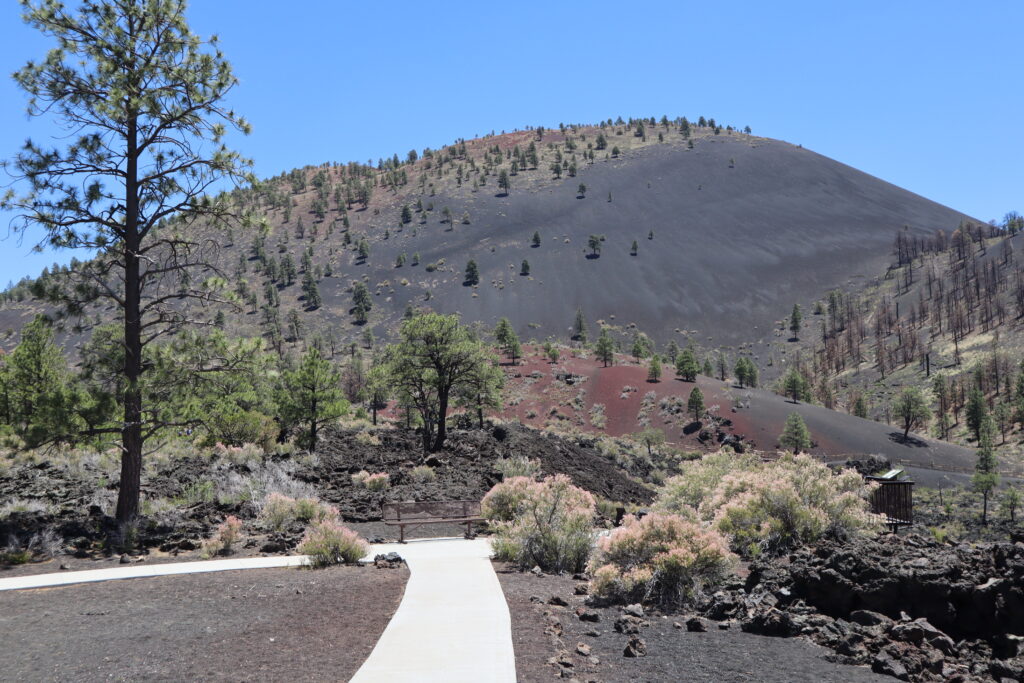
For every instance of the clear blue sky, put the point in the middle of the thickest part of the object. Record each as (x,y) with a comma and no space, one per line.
(925,94)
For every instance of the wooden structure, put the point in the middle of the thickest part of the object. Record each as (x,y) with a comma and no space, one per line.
(431,512)
(894,498)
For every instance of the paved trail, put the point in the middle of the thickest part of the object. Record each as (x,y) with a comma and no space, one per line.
(453,623)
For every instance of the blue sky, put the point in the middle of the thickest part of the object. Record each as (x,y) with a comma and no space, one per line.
(923,94)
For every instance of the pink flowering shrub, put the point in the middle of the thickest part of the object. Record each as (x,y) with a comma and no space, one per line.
(229,531)
(328,542)
(550,525)
(660,558)
(226,536)
(503,502)
(771,507)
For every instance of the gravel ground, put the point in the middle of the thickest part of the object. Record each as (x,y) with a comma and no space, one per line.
(673,654)
(260,624)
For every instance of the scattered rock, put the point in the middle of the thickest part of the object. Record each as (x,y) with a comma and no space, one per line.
(636,647)
(635,610)
(629,625)
(558,601)
(887,666)
(583,649)
(585,614)
(125,559)
(581,589)
(695,625)
(388,561)
(537,571)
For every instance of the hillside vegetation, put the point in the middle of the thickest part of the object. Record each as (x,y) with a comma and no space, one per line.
(685,231)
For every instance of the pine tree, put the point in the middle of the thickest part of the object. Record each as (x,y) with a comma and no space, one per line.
(795,321)
(686,366)
(472,274)
(504,182)
(141,99)
(525,269)
(639,351)
(605,348)
(695,404)
(795,436)
(796,386)
(311,292)
(507,339)
(860,407)
(654,369)
(672,351)
(311,396)
(579,327)
(977,411)
(535,242)
(985,478)
(633,249)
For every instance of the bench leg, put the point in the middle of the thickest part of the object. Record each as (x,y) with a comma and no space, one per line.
(469,529)
(401,533)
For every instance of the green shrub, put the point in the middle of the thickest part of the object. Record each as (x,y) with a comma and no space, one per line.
(328,542)
(278,510)
(551,525)
(422,474)
(660,558)
(518,466)
(379,481)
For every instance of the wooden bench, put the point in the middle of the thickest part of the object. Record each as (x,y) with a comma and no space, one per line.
(431,512)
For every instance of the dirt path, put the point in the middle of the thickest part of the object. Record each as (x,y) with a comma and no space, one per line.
(541,631)
(257,624)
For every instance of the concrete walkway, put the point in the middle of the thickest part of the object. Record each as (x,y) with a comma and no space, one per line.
(453,622)
(452,625)
(141,571)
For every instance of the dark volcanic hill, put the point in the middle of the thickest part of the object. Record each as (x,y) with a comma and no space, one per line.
(732,229)
(734,244)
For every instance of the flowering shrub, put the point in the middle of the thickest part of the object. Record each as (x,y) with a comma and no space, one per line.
(771,507)
(660,558)
(377,482)
(422,474)
(328,542)
(550,525)
(229,531)
(698,479)
(359,478)
(226,536)
(503,502)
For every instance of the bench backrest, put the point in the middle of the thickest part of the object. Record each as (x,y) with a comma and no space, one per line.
(439,509)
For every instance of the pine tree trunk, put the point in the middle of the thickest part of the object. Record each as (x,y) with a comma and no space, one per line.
(442,421)
(131,432)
